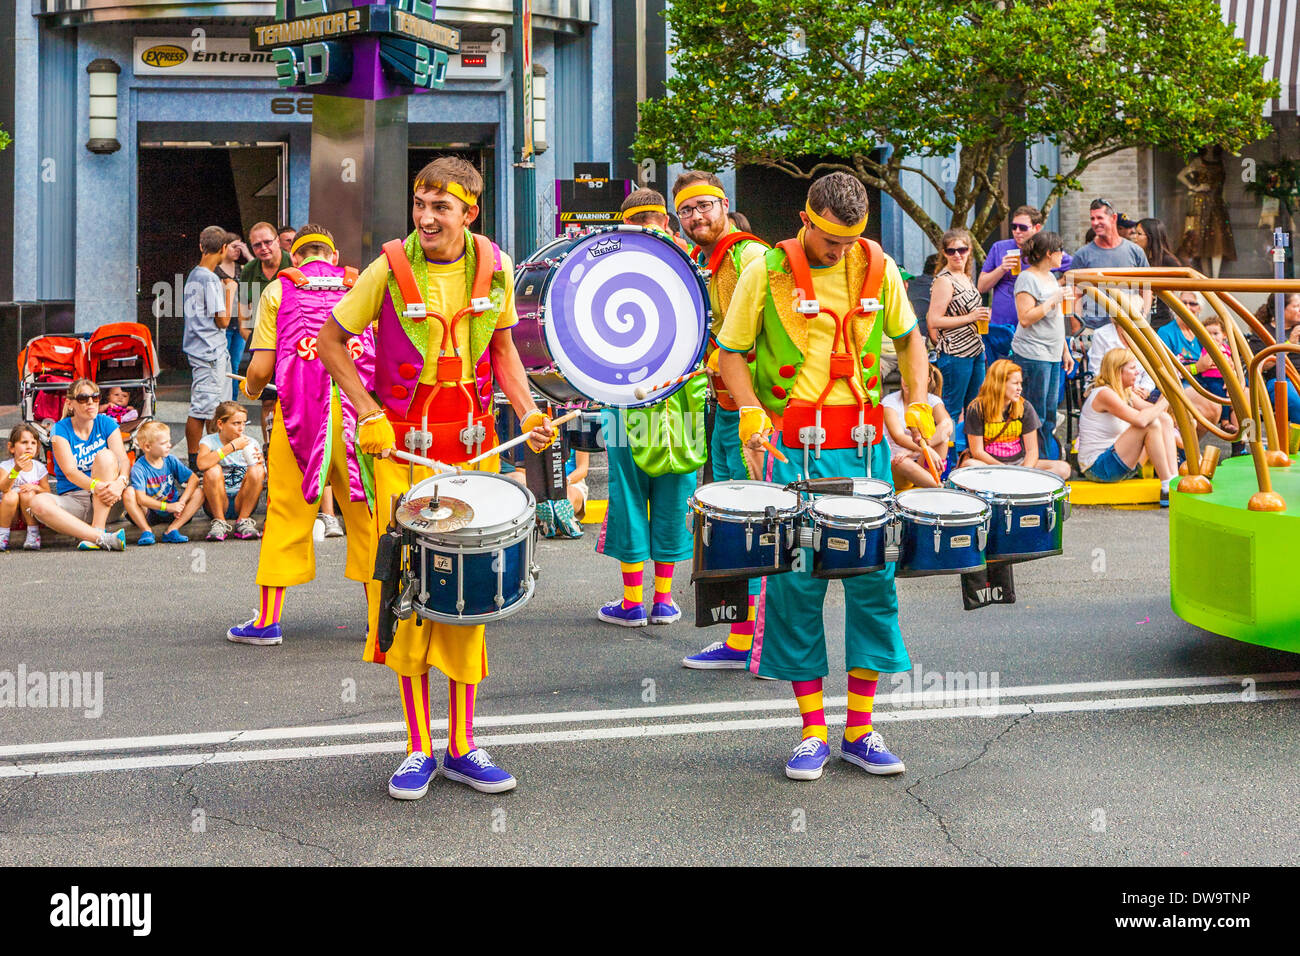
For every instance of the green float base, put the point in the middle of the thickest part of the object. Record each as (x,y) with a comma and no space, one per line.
(1232,570)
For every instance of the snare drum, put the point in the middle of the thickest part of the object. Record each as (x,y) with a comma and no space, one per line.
(1029,508)
(848,535)
(482,571)
(603,313)
(743,529)
(874,488)
(943,531)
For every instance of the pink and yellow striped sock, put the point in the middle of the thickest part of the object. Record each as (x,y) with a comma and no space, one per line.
(633,593)
(415,709)
(460,718)
(663,582)
(862,698)
(809,695)
(272,604)
(741,637)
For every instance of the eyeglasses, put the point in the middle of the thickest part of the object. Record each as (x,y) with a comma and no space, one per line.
(83,399)
(1190,305)
(957,252)
(265,242)
(1020,227)
(1098,203)
(701,208)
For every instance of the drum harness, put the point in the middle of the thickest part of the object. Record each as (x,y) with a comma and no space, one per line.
(450,365)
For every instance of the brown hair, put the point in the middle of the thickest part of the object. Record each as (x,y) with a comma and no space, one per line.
(692,176)
(225,411)
(18,431)
(449,169)
(72,390)
(840,194)
(645,197)
(212,240)
(948,236)
(1033,212)
(315,248)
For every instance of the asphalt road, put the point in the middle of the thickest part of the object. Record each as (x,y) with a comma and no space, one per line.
(624,757)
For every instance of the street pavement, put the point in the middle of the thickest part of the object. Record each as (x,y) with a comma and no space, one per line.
(1118,733)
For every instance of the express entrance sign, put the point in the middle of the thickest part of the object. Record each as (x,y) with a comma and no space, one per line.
(368,52)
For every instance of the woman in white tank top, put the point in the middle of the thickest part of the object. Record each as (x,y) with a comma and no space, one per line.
(1118,430)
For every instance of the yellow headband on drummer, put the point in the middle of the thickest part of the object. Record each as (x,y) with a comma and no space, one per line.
(309,237)
(456,189)
(636,210)
(834,228)
(695,190)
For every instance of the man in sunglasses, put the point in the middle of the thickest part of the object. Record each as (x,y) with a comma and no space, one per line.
(1109,250)
(1003,264)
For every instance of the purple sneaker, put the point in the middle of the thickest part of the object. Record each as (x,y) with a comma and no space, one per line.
(665,613)
(615,613)
(411,781)
(477,769)
(870,753)
(717,656)
(250,633)
(807,760)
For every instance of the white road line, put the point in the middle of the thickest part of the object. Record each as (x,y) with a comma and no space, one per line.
(627,732)
(914,698)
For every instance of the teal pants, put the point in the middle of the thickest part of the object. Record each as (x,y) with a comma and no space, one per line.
(646,517)
(728,460)
(790,643)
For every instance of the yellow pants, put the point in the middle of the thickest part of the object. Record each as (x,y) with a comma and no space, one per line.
(457,651)
(288,555)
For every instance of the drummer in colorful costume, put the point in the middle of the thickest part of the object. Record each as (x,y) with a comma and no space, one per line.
(723,250)
(646,516)
(442,303)
(814,311)
(307,436)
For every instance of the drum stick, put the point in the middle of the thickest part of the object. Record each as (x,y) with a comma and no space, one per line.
(773,449)
(498,449)
(642,391)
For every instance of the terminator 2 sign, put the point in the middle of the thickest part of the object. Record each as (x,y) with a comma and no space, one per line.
(369,52)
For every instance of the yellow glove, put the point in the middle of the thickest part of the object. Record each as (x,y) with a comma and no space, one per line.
(753,421)
(243,387)
(375,435)
(711,363)
(921,417)
(538,419)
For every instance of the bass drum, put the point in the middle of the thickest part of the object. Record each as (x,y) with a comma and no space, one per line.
(603,313)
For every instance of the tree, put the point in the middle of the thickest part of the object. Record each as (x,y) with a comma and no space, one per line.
(881,84)
(4,139)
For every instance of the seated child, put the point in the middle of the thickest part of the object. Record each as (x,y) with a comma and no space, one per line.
(1210,376)
(907,461)
(234,473)
(22,477)
(117,405)
(163,485)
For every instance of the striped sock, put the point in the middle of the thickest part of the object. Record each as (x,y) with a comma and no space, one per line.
(663,582)
(741,637)
(272,604)
(633,573)
(809,695)
(460,718)
(415,708)
(862,697)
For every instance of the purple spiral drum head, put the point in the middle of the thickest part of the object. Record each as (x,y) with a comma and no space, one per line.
(625,308)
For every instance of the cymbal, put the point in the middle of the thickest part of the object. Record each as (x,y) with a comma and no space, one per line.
(420,514)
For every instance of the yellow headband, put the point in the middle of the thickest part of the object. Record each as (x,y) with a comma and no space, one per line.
(456,189)
(312,237)
(654,207)
(697,189)
(834,228)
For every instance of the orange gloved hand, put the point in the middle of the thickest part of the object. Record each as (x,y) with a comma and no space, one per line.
(537,420)
(375,435)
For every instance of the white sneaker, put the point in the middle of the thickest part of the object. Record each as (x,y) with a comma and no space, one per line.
(332,527)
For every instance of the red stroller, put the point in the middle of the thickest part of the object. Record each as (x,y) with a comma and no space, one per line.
(46,368)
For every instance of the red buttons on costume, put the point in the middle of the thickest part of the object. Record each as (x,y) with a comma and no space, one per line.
(868,360)
(399,391)
(871,382)
(306,347)
(786,371)
(778,391)
(355,348)
(406,370)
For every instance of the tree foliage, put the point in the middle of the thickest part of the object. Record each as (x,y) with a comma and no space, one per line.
(5,139)
(881,84)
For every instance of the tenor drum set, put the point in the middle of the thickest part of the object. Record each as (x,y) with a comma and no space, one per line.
(604,317)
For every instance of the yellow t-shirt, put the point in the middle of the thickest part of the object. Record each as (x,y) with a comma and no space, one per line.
(748,253)
(831,286)
(268,310)
(445,294)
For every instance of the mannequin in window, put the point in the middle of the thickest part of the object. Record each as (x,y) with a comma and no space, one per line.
(1208,235)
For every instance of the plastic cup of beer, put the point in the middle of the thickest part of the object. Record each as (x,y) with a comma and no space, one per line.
(1015,262)
(982,322)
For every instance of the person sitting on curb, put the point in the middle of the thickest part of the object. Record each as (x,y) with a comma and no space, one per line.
(233,474)
(161,484)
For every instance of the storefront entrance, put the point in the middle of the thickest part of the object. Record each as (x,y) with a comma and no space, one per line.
(184,187)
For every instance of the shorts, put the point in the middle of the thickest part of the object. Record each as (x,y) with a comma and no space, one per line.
(1108,467)
(581,488)
(77,503)
(210,385)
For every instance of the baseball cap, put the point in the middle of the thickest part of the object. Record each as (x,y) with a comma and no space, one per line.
(1124,222)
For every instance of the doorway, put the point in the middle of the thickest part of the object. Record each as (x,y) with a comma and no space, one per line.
(482,158)
(184,187)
